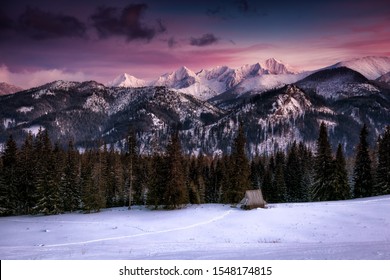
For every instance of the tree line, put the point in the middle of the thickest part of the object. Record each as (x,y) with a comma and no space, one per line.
(41,177)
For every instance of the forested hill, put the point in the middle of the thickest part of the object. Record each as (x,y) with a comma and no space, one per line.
(40,177)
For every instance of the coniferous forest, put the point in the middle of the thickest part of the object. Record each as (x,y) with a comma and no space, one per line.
(41,177)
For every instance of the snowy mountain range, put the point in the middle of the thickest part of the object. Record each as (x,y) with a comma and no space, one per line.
(208,83)
(276,105)
(259,77)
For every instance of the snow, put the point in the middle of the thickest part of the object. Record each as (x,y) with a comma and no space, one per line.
(126,80)
(276,67)
(339,87)
(372,67)
(354,229)
(8,123)
(33,129)
(25,109)
(384,78)
(266,82)
(181,78)
(43,92)
(206,84)
(96,103)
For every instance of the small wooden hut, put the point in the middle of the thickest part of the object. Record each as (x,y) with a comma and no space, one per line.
(253,199)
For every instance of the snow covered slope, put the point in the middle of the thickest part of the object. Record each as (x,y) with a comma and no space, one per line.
(354,229)
(277,67)
(126,80)
(384,78)
(209,83)
(372,67)
(181,78)
(337,83)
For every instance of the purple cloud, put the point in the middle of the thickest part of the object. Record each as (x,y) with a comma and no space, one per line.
(41,25)
(205,40)
(109,22)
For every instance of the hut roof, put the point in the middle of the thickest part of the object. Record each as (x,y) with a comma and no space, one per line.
(253,199)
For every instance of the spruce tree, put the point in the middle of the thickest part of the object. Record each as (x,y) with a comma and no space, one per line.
(294,175)
(267,186)
(323,168)
(175,194)
(268,189)
(383,170)
(89,196)
(48,192)
(70,181)
(363,181)
(131,157)
(306,162)
(222,179)
(157,180)
(257,172)
(26,187)
(340,185)
(279,183)
(9,179)
(240,169)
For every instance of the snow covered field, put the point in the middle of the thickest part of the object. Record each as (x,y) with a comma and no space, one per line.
(354,229)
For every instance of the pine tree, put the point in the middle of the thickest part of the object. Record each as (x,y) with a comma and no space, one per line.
(240,169)
(89,190)
(132,166)
(48,196)
(279,183)
(70,181)
(269,191)
(26,187)
(157,180)
(226,174)
(306,162)
(9,179)
(175,194)
(383,170)
(221,179)
(294,175)
(323,168)
(363,181)
(257,172)
(340,185)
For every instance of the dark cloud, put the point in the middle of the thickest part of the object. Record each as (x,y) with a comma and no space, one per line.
(41,25)
(109,21)
(204,40)
(172,42)
(161,28)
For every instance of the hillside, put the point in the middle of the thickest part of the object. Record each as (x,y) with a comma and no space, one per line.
(353,229)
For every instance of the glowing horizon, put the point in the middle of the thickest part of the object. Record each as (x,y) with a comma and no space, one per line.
(99,40)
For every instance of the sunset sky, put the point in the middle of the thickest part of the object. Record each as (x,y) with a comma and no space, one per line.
(44,40)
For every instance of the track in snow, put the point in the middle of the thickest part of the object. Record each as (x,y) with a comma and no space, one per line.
(142,234)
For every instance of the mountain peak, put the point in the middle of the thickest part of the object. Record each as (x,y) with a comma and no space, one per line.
(184,72)
(126,80)
(372,67)
(181,78)
(277,67)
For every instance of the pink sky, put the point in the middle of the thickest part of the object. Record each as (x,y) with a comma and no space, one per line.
(98,40)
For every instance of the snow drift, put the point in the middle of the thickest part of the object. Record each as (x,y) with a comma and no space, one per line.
(354,229)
